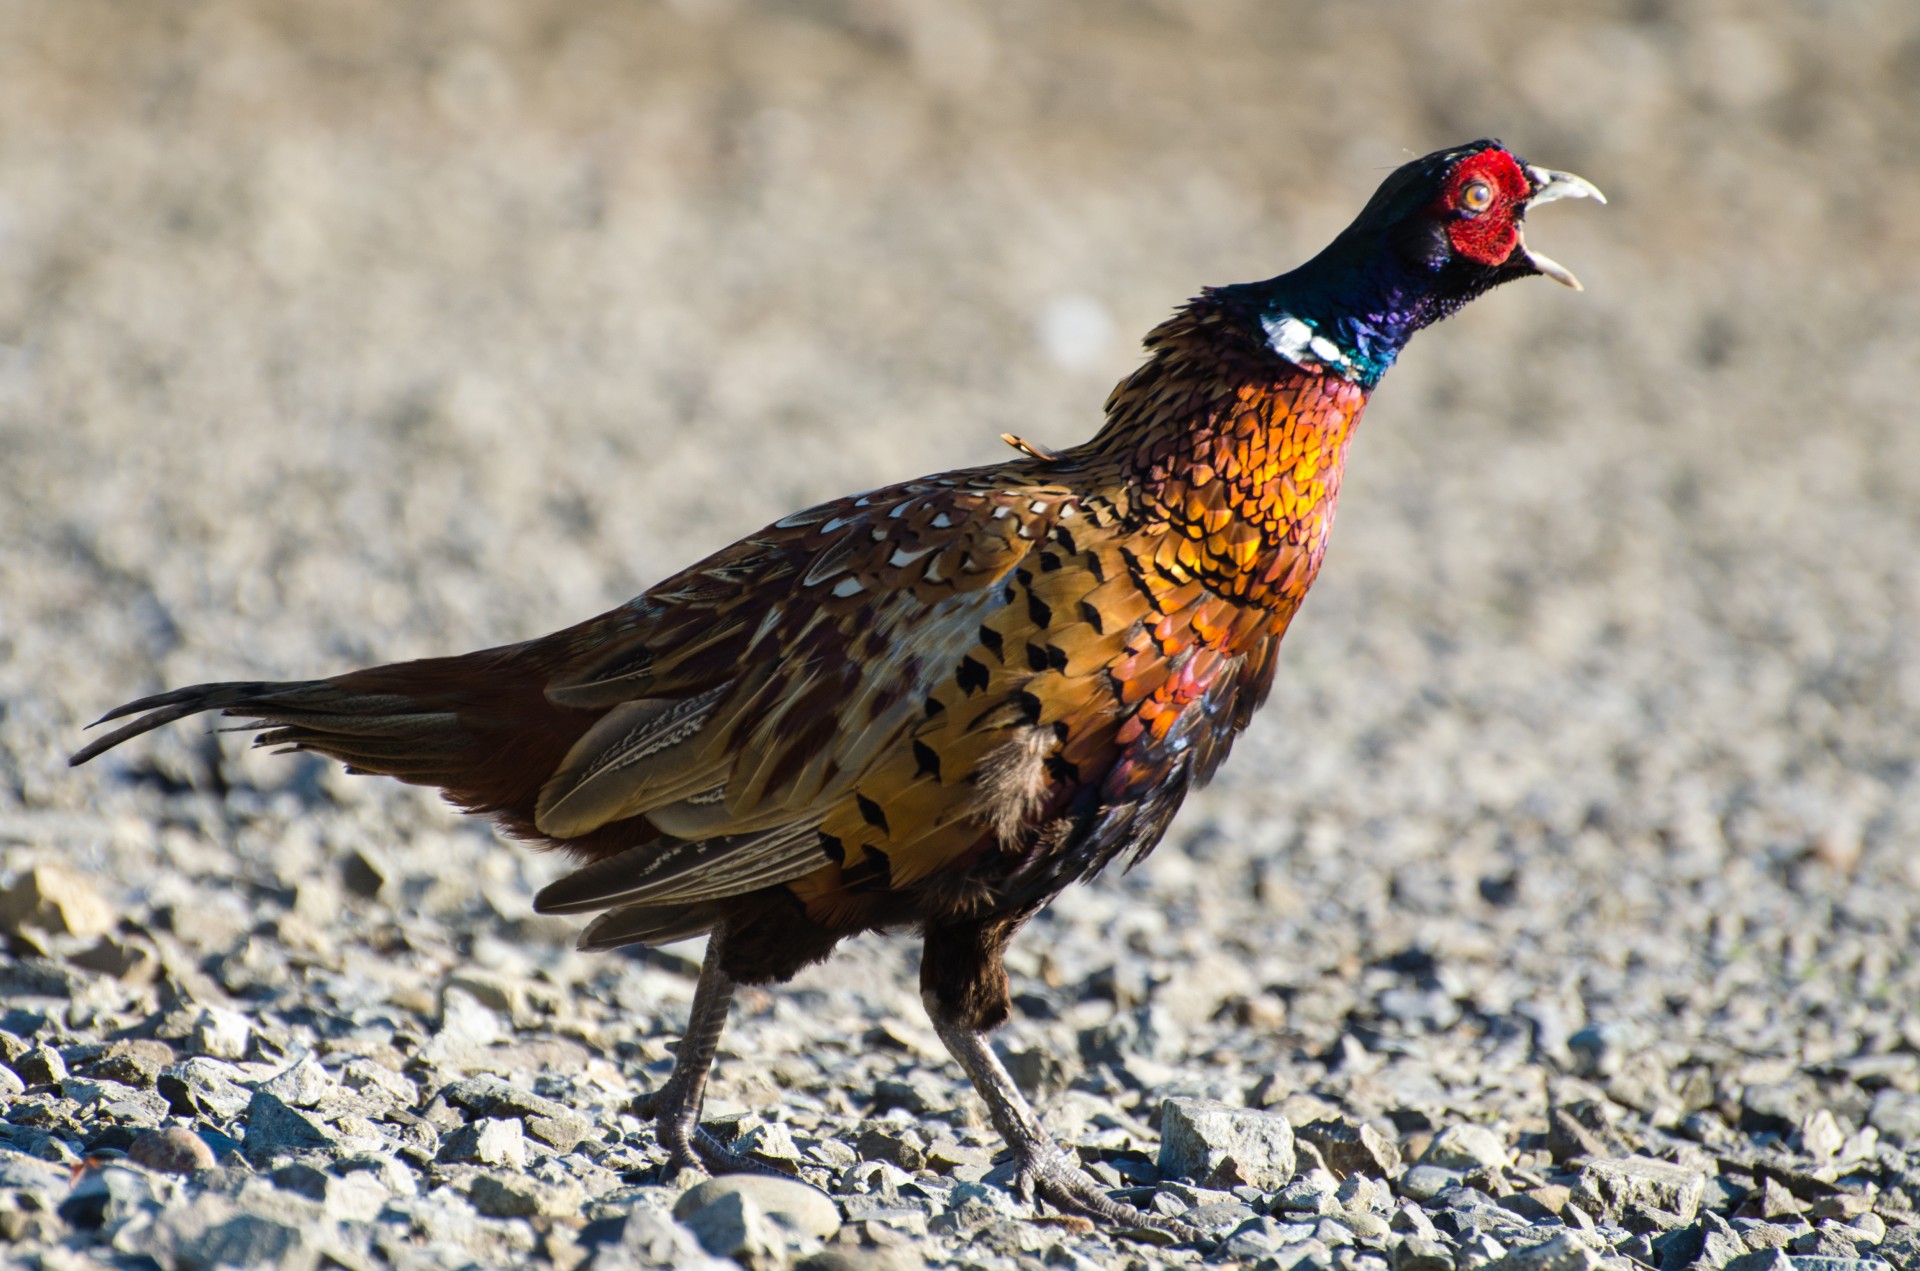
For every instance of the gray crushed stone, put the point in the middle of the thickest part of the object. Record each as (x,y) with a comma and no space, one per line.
(1560,904)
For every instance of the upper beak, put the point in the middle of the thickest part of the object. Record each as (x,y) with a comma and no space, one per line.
(1549,185)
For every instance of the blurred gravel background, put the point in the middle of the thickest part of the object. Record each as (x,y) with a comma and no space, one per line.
(349,332)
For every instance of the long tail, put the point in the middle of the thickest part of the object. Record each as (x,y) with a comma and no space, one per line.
(479,726)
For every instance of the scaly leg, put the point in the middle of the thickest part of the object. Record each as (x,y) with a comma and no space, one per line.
(964,986)
(675,1106)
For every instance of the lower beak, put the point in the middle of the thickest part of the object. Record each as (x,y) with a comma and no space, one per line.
(1549,185)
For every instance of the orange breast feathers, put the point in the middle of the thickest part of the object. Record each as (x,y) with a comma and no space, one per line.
(1250,495)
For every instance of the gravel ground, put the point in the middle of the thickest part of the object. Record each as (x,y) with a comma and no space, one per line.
(1559,911)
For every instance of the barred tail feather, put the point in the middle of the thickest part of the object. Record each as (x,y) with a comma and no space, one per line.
(479,727)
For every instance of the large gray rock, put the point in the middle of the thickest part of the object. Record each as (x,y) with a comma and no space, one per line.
(1562,1253)
(275,1129)
(204,1087)
(1896,1114)
(488,1141)
(55,899)
(1613,1183)
(1352,1147)
(547,1120)
(1466,1148)
(647,1239)
(790,1201)
(508,1195)
(1217,1145)
(732,1226)
(249,1240)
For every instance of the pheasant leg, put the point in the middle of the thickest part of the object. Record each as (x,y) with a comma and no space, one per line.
(1045,1168)
(675,1107)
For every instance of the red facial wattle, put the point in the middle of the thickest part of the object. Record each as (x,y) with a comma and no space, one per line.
(1489,236)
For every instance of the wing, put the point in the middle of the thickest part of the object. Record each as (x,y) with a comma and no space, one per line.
(768,689)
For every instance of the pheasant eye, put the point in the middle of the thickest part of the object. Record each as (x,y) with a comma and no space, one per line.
(1477,197)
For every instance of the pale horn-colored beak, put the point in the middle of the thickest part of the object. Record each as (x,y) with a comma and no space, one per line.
(1549,185)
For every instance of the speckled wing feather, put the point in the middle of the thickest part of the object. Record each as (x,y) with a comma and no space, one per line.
(819,642)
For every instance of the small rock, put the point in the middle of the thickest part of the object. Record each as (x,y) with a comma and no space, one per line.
(41,1066)
(1707,1244)
(894,1259)
(1820,1135)
(1764,1260)
(302,1084)
(517,1196)
(1254,1238)
(1424,1182)
(136,1063)
(1314,1192)
(466,1023)
(11,1087)
(1870,1228)
(1841,1205)
(107,1196)
(1466,1148)
(134,963)
(55,899)
(1896,1114)
(1217,1145)
(219,1033)
(1773,1201)
(358,1197)
(880,1141)
(1417,1253)
(1352,1147)
(944,1156)
(794,1203)
(125,1104)
(1775,1107)
(1037,1071)
(248,1240)
(365,872)
(274,1128)
(1562,1253)
(301,1179)
(1569,1140)
(732,1226)
(204,1087)
(488,1141)
(547,1120)
(1146,1032)
(1614,1183)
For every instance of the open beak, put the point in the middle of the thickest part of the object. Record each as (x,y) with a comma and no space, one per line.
(1549,185)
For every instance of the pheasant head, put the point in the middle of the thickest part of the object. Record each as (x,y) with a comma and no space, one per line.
(1438,232)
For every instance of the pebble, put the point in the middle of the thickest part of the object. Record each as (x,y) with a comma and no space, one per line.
(40,1066)
(801,1207)
(1352,1147)
(1562,1253)
(1419,1253)
(1424,1182)
(517,1196)
(206,1087)
(1611,1184)
(1466,1148)
(275,1128)
(1216,1145)
(220,1034)
(1896,1115)
(55,899)
(488,1141)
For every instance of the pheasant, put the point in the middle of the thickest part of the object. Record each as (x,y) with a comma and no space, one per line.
(939,703)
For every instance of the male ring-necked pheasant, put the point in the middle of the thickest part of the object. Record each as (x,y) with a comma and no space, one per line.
(939,703)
